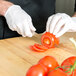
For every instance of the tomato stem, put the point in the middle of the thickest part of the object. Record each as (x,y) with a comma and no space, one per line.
(63,67)
(72,68)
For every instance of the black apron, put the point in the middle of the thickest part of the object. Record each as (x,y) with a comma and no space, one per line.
(75,6)
(39,10)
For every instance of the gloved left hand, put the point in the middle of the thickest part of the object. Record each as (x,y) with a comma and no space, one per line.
(18,20)
(60,23)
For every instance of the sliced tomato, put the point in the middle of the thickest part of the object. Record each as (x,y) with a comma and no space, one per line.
(56,40)
(34,48)
(40,47)
(48,40)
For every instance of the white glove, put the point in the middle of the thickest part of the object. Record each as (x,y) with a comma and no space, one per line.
(18,20)
(60,23)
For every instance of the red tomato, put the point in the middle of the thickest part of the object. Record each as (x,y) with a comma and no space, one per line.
(69,64)
(37,70)
(57,72)
(40,47)
(49,40)
(34,48)
(56,41)
(49,62)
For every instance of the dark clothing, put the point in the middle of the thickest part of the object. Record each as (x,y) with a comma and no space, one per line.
(75,6)
(39,10)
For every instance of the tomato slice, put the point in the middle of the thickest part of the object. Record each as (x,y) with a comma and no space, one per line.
(56,40)
(34,48)
(47,40)
(40,47)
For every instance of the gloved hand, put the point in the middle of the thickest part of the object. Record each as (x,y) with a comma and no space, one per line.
(60,23)
(18,20)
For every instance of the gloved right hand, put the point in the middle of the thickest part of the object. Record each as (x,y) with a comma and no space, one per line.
(18,20)
(61,23)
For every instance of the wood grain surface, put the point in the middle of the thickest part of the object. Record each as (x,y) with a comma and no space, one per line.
(16,57)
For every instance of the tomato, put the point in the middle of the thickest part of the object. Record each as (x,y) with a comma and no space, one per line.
(56,41)
(34,48)
(49,62)
(57,72)
(37,70)
(49,40)
(40,47)
(70,65)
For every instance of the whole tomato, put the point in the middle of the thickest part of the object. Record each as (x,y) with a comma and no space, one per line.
(37,70)
(49,62)
(57,72)
(69,65)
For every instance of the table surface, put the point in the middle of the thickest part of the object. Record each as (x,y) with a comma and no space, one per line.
(16,57)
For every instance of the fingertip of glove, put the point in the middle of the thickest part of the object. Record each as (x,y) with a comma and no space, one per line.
(34,29)
(29,35)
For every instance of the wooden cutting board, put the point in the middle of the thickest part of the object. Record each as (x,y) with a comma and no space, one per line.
(16,57)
